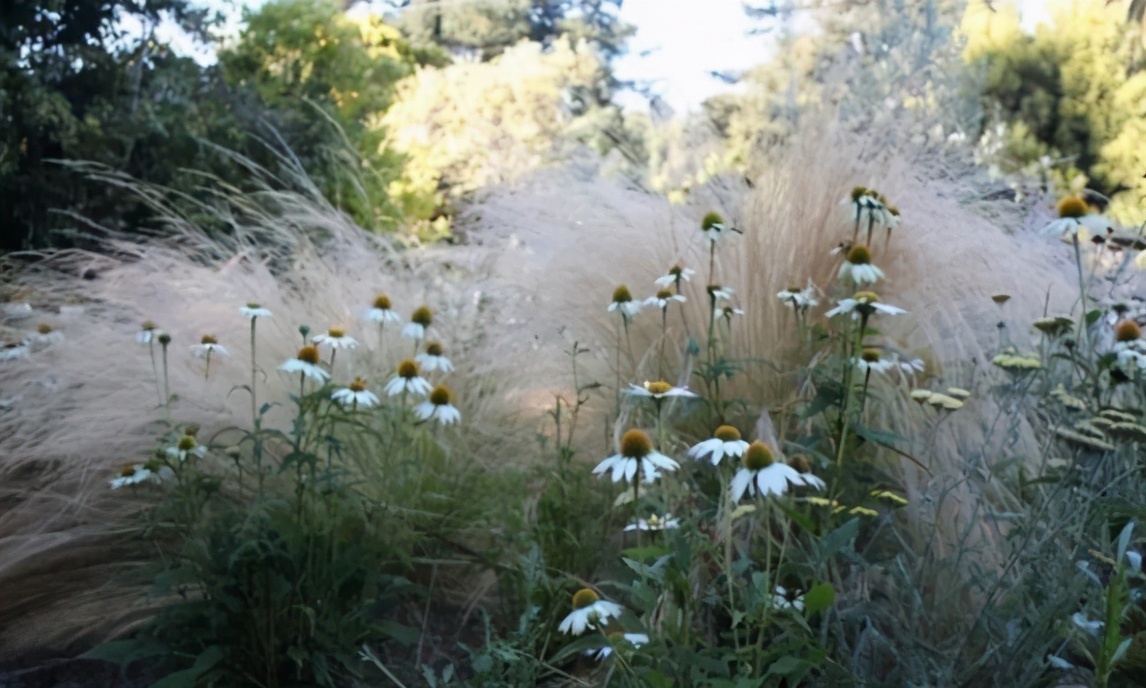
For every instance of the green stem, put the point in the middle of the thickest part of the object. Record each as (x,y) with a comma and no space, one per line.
(154,369)
(254,400)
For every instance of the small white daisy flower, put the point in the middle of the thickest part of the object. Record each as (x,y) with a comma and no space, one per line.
(858,267)
(623,302)
(659,390)
(420,319)
(13,351)
(655,523)
(186,446)
(355,395)
(589,611)
(434,359)
(725,441)
(727,312)
(131,475)
(782,600)
(407,380)
(604,652)
(663,298)
(762,475)
(863,303)
(1074,219)
(209,345)
(676,274)
(438,407)
(636,454)
(306,362)
(254,310)
(871,360)
(336,339)
(146,333)
(381,312)
(45,335)
(803,466)
(713,227)
(799,299)
(718,293)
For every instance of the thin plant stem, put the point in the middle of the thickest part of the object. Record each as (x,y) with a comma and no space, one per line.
(166,380)
(664,339)
(154,369)
(254,400)
(333,353)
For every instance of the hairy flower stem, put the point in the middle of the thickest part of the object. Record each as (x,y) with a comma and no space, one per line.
(856,230)
(334,352)
(870,225)
(207,369)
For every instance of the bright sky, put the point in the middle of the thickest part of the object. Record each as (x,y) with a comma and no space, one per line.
(678,44)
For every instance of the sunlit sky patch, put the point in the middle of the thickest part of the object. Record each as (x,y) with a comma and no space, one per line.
(677,47)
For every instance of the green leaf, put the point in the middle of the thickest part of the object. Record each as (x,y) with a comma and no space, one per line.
(1124,543)
(818,598)
(405,635)
(878,436)
(1093,316)
(839,538)
(643,554)
(189,677)
(788,666)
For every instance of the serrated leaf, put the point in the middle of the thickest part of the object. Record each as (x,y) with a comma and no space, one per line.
(787,666)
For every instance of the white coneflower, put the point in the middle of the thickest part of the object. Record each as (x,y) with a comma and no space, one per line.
(799,299)
(336,339)
(659,390)
(131,475)
(208,345)
(382,312)
(13,351)
(802,465)
(725,441)
(147,332)
(434,359)
(1073,217)
(713,228)
(604,652)
(624,303)
(636,454)
(910,366)
(254,310)
(407,380)
(763,475)
(589,611)
(1129,347)
(44,335)
(355,395)
(663,298)
(438,407)
(783,600)
(726,312)
(676,274)
(186,446)
(858,267)
(306,362)
(654,523)
(420,319)
(871,360)
(865,303)
(719,293)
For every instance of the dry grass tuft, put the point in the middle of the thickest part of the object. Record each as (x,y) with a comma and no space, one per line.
(78,410)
